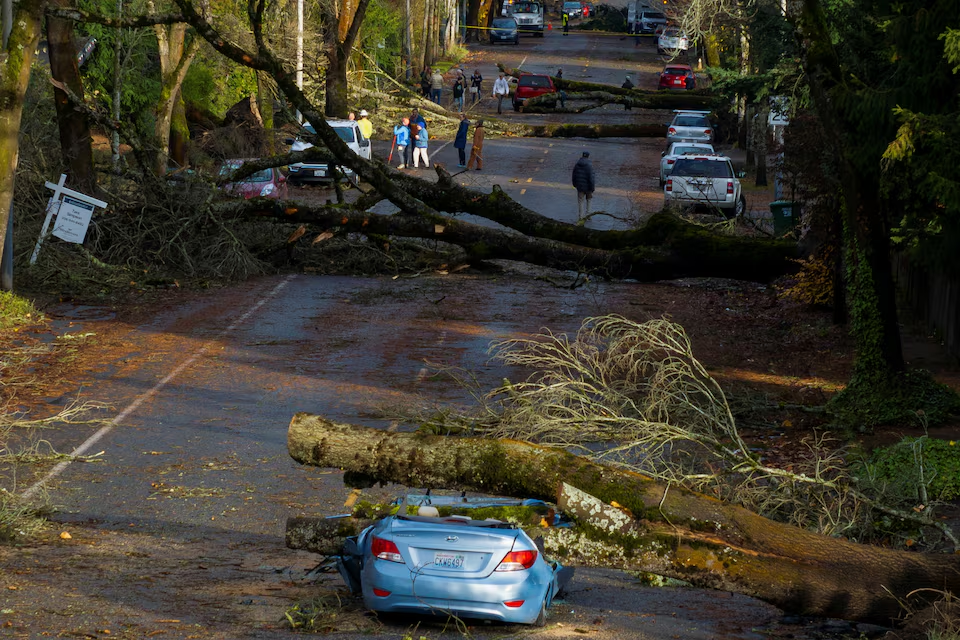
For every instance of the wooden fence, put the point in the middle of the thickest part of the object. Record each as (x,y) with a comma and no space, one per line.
(934,299)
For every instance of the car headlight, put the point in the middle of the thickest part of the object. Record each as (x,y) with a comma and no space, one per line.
(267,190)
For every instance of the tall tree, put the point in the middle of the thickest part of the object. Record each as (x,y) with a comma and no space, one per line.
(346,20)
(75,139)
(21,34)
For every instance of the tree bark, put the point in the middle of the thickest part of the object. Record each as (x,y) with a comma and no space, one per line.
(664,530)
(75,140)
(337,50)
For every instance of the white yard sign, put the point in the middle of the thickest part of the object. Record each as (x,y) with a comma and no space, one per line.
(73,211)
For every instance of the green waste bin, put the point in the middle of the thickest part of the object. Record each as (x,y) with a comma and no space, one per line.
(786,216)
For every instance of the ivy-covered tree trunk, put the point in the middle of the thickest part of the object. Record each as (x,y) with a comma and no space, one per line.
(15,62)
(75,140)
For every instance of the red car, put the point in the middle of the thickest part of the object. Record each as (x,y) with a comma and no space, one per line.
(530,85)
(267,183)
(677,76)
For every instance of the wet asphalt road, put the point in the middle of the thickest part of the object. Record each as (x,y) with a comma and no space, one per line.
(200,397)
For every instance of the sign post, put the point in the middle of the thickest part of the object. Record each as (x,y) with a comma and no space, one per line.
(73,211)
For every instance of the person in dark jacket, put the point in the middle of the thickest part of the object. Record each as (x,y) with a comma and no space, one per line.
(584,183)
(627,84)
(460,142)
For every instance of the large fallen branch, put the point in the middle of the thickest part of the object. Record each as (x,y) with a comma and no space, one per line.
(663,530)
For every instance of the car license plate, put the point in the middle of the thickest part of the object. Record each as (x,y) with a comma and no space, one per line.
(319,173)
(448,560)
(677,81)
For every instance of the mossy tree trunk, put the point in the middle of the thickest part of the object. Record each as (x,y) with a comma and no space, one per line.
(16,59)
(664,530)
(176,55)
(339,20)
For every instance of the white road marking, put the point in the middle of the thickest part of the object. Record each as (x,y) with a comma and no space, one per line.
(133,406)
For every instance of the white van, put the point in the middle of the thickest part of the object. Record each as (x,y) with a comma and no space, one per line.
(348,131)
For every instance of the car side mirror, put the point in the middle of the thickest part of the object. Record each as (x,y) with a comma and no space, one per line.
(364,143)
(288,141)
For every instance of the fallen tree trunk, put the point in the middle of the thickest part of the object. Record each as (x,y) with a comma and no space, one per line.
(633,98)
(663,530)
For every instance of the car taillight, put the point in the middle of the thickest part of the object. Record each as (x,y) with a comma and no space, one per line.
(707,132)
(513,604)
(670,161)
(671,131)
(669,185)
(729,187)
(385,550)
(383,593)
(517,561)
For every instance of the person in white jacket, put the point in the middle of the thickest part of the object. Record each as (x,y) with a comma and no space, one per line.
(501,89)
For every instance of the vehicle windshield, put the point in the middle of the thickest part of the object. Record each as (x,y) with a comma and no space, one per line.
(679,151)
(526,7)
(653,16)
(345,133)
(691,121)
(504,23)
(534,81)
(691,167)
(264,175)
(671,33)
(675,71)
(571,5)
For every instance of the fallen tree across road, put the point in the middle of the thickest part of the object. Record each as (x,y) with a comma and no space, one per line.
(663,530)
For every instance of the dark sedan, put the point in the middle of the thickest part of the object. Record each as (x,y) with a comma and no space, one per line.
(504,30)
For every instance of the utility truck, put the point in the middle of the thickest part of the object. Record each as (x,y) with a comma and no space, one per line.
(529,16)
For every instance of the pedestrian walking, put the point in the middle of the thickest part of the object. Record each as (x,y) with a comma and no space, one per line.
(501,89)
(401,134)
(436,86)
(366,127)
(560,73)
(627,84)
(584,182)
(476,151)
(425,82)
(476,80)
(460,141)
(420,149)
(565,20)
(458,89)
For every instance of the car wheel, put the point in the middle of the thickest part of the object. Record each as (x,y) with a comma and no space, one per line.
(741,208)
(541,620)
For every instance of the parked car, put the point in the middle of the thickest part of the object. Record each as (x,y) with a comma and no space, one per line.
(586,9)
(504,30)
(690,126)
(319,172)
(672,40)
(442,565)
(266,183)
(677,76)
(573,9)
(678,149)
(706,180)
(530,85)
(650,21)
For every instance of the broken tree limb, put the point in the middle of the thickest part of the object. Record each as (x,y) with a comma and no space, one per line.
(322,535)
(634,98)
(670,531)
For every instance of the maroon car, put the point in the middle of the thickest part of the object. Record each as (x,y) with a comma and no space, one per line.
(677,76)
(266,183)
(531,85)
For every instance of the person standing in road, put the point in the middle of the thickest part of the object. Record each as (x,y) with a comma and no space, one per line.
(476,80)
(417,119)
(366,127)
(584,182)
(425,82)
(402,134)
(458,89)
(565,20)
(420,149)
(476,151)
(627,84)
(460,142)
(501,89)
(436,86)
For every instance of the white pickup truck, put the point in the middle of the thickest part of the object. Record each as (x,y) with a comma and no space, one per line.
(705,180)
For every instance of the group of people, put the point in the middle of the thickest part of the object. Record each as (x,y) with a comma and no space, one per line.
(413,129)
(432,82)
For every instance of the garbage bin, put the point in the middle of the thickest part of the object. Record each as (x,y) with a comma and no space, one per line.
(786,216)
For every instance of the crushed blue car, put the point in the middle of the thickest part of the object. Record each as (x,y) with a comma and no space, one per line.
(439,565)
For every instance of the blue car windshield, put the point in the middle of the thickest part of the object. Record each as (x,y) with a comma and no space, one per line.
(504,23)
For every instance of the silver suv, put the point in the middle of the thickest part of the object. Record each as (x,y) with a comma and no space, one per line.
(705,180)
(690,126)
(348,131)
(650,21)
